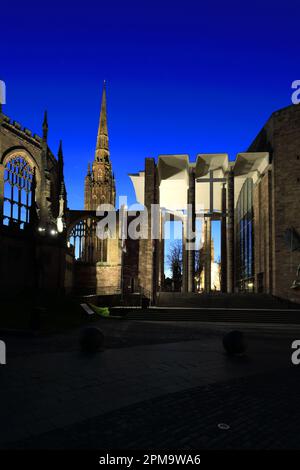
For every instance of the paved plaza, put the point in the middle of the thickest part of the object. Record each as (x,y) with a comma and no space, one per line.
(156,385)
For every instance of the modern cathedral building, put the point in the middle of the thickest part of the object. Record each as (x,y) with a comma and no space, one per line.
(255,199)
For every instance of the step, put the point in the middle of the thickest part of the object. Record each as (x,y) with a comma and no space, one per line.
(173,299)
(210,315)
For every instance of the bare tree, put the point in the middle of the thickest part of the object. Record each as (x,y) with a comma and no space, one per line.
(199,261)
(174,260)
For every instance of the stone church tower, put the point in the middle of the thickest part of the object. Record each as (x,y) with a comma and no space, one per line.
(99,185)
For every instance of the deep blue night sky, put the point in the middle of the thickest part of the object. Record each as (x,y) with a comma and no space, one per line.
(182,77)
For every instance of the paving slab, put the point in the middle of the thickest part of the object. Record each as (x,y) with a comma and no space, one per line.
(43,392)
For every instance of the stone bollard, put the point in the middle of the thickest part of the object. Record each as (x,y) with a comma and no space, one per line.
(145,302)
(92,340)
(234,343)
(35,318)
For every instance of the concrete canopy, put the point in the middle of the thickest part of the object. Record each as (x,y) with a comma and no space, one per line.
(248,165)
(138,181)
(207,162)
(250,162)
(173,173)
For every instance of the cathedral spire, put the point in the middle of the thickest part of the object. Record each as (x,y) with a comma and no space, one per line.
(102,148)
(99,185)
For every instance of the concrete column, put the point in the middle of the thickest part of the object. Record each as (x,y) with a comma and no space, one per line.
(191,225)
(162,252)
(230,232)
(207,248)
(223,241)
(184,257)
(146,246)
(155,231)
(1,192)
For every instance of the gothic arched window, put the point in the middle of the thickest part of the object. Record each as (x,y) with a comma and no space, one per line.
(88,248)
(18,176)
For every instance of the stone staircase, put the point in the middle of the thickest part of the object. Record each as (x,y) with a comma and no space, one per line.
(220,300)
(236,308)
(220,316)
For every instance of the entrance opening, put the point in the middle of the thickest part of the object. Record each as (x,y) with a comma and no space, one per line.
(207,257)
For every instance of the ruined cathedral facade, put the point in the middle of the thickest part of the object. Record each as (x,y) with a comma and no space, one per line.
(46,245)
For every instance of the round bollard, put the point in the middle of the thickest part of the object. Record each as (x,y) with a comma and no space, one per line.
(92,340)
(36,318)
(234,343)
(145,302)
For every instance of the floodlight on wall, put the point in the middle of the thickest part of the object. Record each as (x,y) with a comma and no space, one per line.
(41,229)
(53,232)
(60,225)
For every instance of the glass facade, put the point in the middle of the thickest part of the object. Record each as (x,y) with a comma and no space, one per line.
(245,238)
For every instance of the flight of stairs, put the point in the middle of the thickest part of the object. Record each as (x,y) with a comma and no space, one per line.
(215,300)
(240,308)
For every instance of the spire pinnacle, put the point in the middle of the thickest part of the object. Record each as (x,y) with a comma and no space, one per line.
(102,147)
(45,126)
(60,162)
(60,151)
